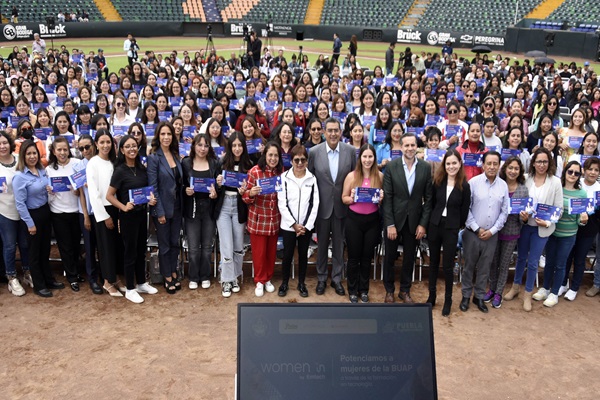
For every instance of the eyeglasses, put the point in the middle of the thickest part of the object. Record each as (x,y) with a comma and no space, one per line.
(316,129)
(488,105)
(453,111)
(301,160)
(464,86)
(541,162)
(575,173)
(120,104)
(130,147)
(85,148)
(136,133)
(552,103)
(469,95)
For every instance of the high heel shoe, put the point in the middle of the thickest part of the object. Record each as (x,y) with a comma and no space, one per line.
(177,282)
(110,289)
(431,299)
(447,307)
(170,286)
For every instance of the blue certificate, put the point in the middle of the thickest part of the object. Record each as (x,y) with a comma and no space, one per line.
(340,116)
(43,133)
(36,106)
(184,149)
(270,105)
(432,120)
(547,212)
(305,107)
(141,195)
(579,206)
(233,179)
(119,131)
(202,185)
(435,155)
(149,128)
(473,159)
(3,186)
(507,153)
(204,104)
(395,154)
(493,148)
(287,159)
(299,132)
(165,115)
(240,85)
(233,104)
(219,151)
(369,120)
(575,142)
(59,184)
(521,204)
(176,101)
(253,145)
(83,129)
(269,185)
(188,132)
(366,195)
(290,104)
(380,135)
(78,179)
(415,130)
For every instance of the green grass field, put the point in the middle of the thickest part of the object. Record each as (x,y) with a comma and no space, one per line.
(369,53)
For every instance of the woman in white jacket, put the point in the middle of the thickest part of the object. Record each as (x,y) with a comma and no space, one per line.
(298,204)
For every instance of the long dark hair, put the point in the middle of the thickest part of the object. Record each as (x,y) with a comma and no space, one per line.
(112,155)
(55,128)
(375,177)
(509,160)
(577,184)
(441,174)
(52,159)
(121,156)
(262,162)
(211,152)
(551,163)
(228,162)
(173,147)
(580,150)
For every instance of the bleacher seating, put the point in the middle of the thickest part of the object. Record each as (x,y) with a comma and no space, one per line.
(378,13)
(548,25)
(574,11)
(38,10)
(276,11)
(479,16)
(586,28)
(151,10)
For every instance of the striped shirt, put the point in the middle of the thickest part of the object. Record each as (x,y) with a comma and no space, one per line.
(568,224)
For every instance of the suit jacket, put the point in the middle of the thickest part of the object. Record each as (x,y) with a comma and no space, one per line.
(162,178)
(330,191)
(457,205)
(400,207)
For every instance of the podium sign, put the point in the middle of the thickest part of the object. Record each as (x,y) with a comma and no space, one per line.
(335,351)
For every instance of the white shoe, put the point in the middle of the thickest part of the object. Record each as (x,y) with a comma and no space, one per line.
(193,285)
(571,294)
(120,287)
(27,279)
(260,290)
(14,286)
(235,286)
(551,301)
(146,288)
(226,289)
(542,262)
(269,287)
(542,294)
(205,284)
(133,296)
(562,290)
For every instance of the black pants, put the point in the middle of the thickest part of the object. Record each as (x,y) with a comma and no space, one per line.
(363,232)
(408,260)
(438,236)
(68,239)
(39,248)
(110,245)
(134,231)
(91,244)
(168,235)
(289,245)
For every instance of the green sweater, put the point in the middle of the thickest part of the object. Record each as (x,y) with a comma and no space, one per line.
(568,224)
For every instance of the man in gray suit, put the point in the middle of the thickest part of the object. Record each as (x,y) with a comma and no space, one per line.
(330,162)
(406,209)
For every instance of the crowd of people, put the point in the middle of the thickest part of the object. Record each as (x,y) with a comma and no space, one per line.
(455,153)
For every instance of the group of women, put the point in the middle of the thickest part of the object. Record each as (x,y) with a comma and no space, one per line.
(196,147)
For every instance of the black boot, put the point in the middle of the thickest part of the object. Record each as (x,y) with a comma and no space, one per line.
(431,298)
(447,306)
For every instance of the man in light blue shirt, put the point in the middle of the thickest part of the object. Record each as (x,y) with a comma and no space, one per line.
(487,215)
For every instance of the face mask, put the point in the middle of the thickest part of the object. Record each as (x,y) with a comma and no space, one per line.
(27,134)
(413,122)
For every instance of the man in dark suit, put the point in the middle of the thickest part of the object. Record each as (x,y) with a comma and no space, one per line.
(330,162)
(406,210)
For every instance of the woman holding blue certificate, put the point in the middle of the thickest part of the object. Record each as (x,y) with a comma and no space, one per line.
(563,238)
(284,137)
(512,172)
(390,146)
(298,204)
(514,143)
(165,176)
(31,199)
(201,180)
(263,215)
(588,148)
(363,193)
(545,190)
(471,151)
(231,212)
(64,208)
(130,194)
(450,208)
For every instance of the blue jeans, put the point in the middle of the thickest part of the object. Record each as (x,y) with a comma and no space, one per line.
(596,266)
(577,257)
(231,240)
(557,252)
(200,233)
(530,246)
(11,233)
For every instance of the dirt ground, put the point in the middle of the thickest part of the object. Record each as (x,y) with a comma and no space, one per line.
(183,346)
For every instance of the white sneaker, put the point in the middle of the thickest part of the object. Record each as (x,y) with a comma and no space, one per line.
(27,279)
(542,262)
(562,290)
(571,294)
(226,289)
(542,294)
(594,290)
(193,285)
(146,288)
(269,287)
(260,290)
(551,301)
(133,296)
(205,284)
(235,286)
(14,286)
